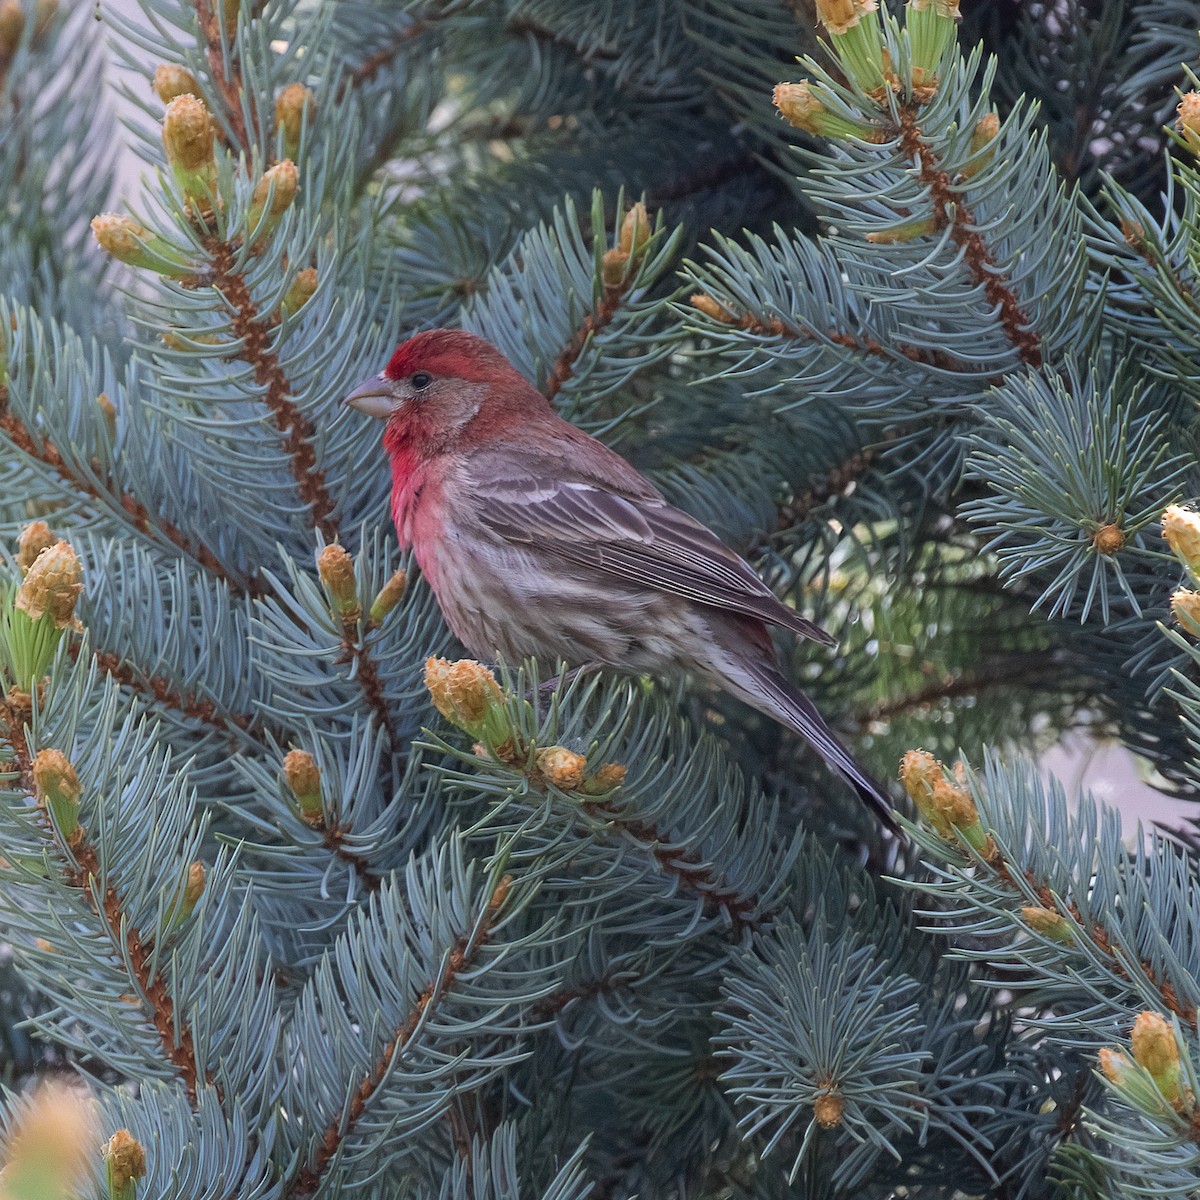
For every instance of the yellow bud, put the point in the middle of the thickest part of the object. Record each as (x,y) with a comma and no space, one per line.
(986,130)
(58,789)
(561,767)
(108,412)
(804,107)
(336,570)
(301,291)
(943,8)
(1154,1044)
(12,25)
(194,888)
(828,1110)
(1114,1065)
(49,1147)
(635,231)
(171,81)
(463,692)
(273,196)
(1186,607)
(1048,923)
(389,596)
(613,267)
(609,777)
(187,134)
(1108,539)
(712,308)
(1188,123)
(124,1164)
(52,586)
(303,777)
(33,540)
(294,106)
(1181,529)
(131,243)
(838,16)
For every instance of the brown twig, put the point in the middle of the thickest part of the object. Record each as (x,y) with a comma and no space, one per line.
(979,259)
(924,355)
(83,869)
(460,958)
(1023,670)
(696,875)
(593,322)
(334,837)
(355,650)
(46,452)
(229,85)
(158,689)
(297,430)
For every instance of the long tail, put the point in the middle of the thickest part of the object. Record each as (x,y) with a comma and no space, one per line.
(781,699)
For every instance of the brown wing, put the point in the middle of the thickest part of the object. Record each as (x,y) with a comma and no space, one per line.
(623,527)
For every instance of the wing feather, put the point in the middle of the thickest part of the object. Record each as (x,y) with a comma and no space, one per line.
(626,529)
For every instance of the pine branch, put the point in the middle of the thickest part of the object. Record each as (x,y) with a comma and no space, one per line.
(593,322)
(951,211)
(354,649)
(460,960)
(773,327)
(83,870)
(44,451)
(158,690)
(1014,670)
(297,429)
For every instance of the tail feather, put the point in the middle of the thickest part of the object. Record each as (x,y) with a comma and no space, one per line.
(790,706)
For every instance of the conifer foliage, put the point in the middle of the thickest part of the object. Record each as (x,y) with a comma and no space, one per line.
(295,901)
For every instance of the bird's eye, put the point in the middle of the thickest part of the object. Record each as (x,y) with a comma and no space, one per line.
(421,380)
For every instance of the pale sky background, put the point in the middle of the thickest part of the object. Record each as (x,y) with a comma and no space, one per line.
(1108,770)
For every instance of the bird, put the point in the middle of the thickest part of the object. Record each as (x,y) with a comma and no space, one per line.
(539,541)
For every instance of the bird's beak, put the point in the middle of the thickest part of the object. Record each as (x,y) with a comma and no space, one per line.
(373,397)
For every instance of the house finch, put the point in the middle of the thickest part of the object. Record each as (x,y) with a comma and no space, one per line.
(540,542)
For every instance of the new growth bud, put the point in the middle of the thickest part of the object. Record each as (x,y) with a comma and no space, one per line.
(295,107)
(33,540)
(273,196)
(635,231)
(807,108)
(839,16)
(301,291)
(188,136)
(389,596)
(828,1109)
(1156,1048)
(561,767)
(193,889)
(52,586)
(1188,123)
(1185,606)
(712,308)
(131,243)
(609,777)
(613,266)
(124,1165)
(303,778)
(1114,1065)
(467,695)
(171,81)
(1181,529)
(1048,923)
(1108,539)
(336,570)
(58,790)
(947,806)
